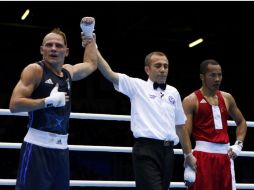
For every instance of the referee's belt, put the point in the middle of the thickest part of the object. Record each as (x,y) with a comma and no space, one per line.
(155,141)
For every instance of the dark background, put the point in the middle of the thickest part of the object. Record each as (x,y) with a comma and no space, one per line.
(126,33)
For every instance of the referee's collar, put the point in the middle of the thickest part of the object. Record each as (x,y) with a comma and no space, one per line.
(150,83)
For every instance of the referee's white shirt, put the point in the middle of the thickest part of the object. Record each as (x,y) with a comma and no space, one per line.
(154,113)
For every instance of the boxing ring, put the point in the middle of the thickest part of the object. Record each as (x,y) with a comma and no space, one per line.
(97,183)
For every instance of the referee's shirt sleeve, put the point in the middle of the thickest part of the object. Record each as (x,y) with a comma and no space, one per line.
(125,85)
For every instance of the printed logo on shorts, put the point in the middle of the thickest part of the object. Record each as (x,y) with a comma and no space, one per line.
(59,141)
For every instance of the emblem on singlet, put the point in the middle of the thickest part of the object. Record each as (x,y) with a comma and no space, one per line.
(203,101)
(49,81)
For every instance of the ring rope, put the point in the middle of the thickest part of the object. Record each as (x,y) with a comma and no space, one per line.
(95,183)
(102,117)
(106,149)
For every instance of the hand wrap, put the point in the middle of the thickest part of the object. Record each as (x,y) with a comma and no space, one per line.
(55,99)
(87,29)
(189,176)
(237,147)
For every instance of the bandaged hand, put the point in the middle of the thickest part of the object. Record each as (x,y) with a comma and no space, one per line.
(55,99)
(86,41)
(87,26)
(235,149)
(190,169)
(189,176)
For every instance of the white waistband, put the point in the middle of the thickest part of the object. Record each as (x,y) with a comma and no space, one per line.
(211,147)
(46,139)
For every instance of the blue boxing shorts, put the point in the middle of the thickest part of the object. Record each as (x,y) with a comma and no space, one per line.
(43,168)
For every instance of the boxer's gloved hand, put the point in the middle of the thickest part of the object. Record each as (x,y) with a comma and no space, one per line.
(235,149)
(87,26)
(55,99)
(190,169)
(189,176)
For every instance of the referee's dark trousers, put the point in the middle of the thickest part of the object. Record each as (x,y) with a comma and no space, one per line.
(153,163)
